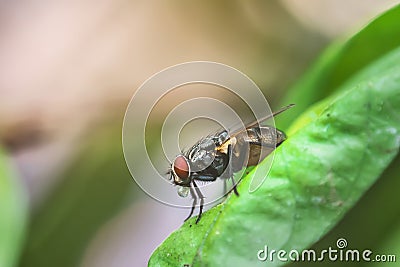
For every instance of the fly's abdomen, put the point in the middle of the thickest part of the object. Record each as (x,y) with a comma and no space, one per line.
(254,145)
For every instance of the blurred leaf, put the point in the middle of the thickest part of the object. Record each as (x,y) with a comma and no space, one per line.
(13,213)
(381,65)
(344,59)
(93,189)
(390,244)
(318,174)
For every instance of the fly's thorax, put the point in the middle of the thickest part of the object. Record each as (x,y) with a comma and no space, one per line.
(202,155)
(222,138)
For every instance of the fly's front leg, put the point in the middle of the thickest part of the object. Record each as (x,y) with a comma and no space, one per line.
(201,200)
(193,194)
(230,173)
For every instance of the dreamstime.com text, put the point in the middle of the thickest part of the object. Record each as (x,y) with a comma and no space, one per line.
(339,253)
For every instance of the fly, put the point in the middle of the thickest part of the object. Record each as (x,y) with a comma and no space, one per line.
(221,155)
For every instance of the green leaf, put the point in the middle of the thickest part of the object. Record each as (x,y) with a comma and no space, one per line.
(317,175)
(13,214)
(378,208)
(372,223)
(342,60)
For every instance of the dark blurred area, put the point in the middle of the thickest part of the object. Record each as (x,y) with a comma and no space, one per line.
(67,72)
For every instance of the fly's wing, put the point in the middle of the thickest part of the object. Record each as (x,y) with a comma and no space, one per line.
(224,139)
(258,122)
(252,145)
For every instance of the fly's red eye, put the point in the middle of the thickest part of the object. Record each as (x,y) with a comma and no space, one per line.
(181,167)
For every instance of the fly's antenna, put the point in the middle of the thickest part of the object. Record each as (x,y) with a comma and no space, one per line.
(169,175)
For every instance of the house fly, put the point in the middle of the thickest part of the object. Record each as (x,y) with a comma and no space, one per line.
(221,155)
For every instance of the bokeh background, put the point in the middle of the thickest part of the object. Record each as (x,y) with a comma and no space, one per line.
(67,72)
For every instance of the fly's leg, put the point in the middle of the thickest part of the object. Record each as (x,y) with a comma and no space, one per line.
(234,186)
(193,194)
(200,195)
(230,173)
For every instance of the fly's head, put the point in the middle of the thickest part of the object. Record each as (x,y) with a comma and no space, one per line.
(180,171)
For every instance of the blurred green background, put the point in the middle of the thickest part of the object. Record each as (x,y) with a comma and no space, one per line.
(67,72)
